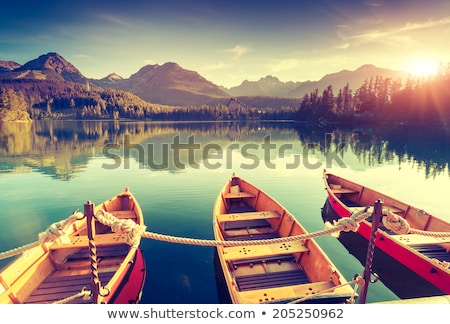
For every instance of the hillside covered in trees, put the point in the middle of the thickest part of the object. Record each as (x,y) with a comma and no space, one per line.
(378,99)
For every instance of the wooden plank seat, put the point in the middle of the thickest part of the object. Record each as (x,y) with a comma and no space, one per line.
(56,288)
(238,195)
(295,292)
(417,239)
(236,217)
(271,280)
(102,251)
(124,214)
(273,258)
(344,191)
(100,240)
(259,251)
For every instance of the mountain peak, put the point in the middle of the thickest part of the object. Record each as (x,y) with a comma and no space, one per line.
(51,66)
(112,77)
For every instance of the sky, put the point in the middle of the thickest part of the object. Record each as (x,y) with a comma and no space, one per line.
(228,42)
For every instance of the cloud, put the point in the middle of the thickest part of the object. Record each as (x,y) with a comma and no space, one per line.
(425,25)
(238,51)
(115,20)
(393,36)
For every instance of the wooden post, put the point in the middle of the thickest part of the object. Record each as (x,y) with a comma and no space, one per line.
(376,217)
(95,280)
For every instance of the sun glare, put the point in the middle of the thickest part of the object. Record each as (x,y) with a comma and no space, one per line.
(423,67)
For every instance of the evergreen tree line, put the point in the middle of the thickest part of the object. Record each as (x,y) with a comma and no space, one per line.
(377,99)
(382,99)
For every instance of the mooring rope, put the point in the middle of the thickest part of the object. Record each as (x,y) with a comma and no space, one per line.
(399,225)
(358,281)
(136,230)
(56,232)
(85,294)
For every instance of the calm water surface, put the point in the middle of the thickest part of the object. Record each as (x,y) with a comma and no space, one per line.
(175,170)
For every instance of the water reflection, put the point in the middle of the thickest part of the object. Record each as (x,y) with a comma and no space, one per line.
(61,149)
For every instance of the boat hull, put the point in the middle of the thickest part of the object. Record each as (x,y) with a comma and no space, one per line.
(343,205)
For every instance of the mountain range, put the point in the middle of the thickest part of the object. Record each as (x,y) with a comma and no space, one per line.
(170,84)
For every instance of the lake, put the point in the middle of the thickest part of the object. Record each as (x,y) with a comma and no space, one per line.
(175,170)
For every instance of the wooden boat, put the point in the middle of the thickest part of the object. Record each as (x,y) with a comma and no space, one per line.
(424,255)
(293,271)
(53,272)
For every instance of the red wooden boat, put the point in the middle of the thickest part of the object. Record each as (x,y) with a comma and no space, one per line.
(426,255)
(56,272)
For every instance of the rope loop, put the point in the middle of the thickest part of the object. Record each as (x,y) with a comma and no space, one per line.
(133,231)
(56,232)
(395,223)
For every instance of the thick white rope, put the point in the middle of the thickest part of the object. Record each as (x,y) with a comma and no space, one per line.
(55,232)
(358,281)
(85,294)
(345,224)
(399,225)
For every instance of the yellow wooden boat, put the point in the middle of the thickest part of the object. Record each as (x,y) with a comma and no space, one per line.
(59,272)
(270,272)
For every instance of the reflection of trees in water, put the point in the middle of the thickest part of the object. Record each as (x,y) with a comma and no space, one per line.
(426,148)
(63,148)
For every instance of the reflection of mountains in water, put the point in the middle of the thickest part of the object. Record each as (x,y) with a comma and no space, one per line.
(63,148)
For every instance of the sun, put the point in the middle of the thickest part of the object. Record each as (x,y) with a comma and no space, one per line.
(423,67)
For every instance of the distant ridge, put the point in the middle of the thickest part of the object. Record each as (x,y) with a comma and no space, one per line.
(170,84)
(270,86)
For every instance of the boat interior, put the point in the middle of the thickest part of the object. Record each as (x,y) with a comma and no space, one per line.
(357,197)
(271,265)
(62,270)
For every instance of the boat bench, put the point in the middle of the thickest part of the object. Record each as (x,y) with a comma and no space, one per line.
(344,191)
(266,250)
(102,252)
(124,214)
(273,258)
(268,295)
(271,280)
(238,195)
(417,239)
(236,217)
(100,240)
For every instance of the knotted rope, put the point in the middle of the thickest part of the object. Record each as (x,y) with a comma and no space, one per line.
(351,223)
(55,232)
(122,226)
(85,294)
(399,225)
(358,281)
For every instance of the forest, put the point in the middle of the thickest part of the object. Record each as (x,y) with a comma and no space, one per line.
(377,100)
